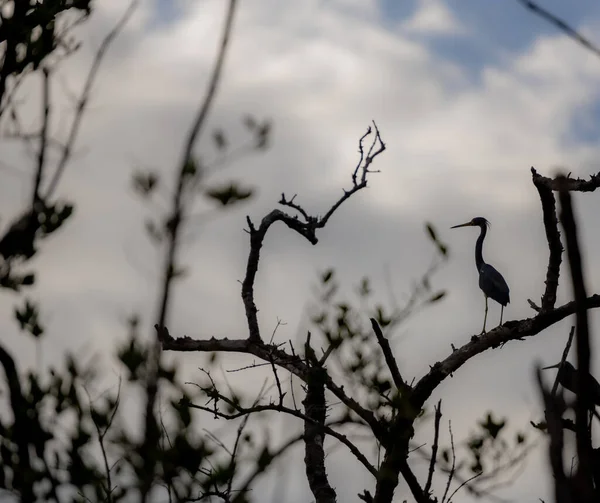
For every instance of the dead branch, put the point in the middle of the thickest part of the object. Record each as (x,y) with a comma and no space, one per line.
(561,25)
(510,331)
(85,96)
(306,229)
(434,448)
(389,358)
(584,480)
(567,183)
(314,458)
(553,237)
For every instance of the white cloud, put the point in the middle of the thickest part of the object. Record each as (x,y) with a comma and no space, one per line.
(432,17)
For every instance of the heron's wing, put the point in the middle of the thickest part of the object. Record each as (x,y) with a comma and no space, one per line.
(493,284)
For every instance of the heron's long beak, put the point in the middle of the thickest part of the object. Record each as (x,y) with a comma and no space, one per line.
(552,366)
(462,225)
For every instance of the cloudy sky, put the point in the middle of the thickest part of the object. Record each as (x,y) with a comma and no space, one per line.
(468,95)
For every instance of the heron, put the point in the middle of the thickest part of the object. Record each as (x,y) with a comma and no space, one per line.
(490,280)
(568,375)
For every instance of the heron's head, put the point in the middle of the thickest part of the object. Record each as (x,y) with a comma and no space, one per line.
(476,222)
(566,365)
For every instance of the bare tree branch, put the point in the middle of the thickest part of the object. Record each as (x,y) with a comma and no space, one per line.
(84,98)
(553,237)
(584,480)
(434,448)
(510,331)
(569,184)
(389,358)
(268,353)
(561,25)
(563,360)
(314,459)
(43,137)
(307,229)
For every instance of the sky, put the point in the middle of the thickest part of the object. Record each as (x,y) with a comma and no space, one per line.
(468,95)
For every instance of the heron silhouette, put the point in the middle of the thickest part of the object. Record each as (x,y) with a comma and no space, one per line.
(567,378)
(491,281)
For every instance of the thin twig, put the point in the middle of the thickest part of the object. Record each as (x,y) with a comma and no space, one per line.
(561,25)
(434,449)
(389,357)
(562,361)
(85,96)
(451,473)
(43,137)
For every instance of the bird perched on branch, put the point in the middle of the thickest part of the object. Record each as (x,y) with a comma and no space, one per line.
(490,280)
(567,378)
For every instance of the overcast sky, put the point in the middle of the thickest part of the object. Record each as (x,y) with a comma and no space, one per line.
(468,95)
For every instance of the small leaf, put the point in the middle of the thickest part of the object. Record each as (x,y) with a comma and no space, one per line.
(249,122)
(327,275)
(145,182)
(219,139)
(229,194)
(431,232)
(437,297)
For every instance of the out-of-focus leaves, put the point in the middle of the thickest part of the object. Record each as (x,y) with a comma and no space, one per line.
(229,193)
(250,122)
(28,318)
(263,134)
(327,275)
(191,168)
(156,234)
(144,183)
(220,139)
(442,248)
(437,297)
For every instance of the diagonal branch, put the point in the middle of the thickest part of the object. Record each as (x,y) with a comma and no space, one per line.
(389,357)
(553,237)
(84,98)
(561,25)
(510,331)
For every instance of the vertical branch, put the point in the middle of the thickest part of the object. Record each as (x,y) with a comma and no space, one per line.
(174,225)
(434,448)
(584,485)
(554,244)
(315,410)
(43,137)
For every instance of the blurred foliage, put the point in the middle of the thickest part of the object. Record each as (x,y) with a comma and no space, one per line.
(490,457)
(31,31)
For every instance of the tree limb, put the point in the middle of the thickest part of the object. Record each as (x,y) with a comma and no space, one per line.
(553,237)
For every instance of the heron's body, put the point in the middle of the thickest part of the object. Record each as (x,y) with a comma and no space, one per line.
(491,281)
(567,377)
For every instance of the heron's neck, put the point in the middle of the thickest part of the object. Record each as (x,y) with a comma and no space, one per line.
(479,248)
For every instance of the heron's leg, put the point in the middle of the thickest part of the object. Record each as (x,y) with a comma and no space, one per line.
(501,313)
(485,317)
